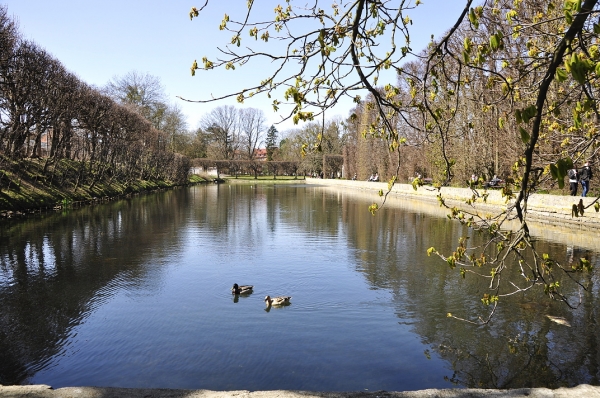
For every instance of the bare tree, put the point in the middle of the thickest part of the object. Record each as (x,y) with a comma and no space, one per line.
(140,89)
(221,125)
(173,125)
(252,127)
(47,112)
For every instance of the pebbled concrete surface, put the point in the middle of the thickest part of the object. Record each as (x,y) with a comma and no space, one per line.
(44,391)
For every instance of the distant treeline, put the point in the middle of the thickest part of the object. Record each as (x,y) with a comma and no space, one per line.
(251,167)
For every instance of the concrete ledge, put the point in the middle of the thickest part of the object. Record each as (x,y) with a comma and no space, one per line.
(44,391)
(546,209)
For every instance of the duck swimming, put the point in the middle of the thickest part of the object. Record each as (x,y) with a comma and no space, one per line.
(282,300)
(243,289)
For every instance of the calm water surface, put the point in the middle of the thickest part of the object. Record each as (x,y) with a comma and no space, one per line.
(136,293)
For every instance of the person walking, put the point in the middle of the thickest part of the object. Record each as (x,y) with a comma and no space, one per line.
(573,181)
(585,176)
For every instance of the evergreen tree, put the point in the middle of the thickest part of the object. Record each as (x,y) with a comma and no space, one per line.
(271,142)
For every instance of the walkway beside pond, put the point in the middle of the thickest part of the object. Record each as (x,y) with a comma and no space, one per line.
(542,208)
(549,215)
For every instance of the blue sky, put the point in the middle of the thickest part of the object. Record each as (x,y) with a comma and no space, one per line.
(100,39)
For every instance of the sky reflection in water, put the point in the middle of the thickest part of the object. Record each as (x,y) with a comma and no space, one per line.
(137,294)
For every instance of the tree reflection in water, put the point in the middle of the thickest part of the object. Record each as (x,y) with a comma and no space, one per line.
(56,270)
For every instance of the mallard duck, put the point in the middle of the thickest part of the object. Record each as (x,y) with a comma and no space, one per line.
(244,289)
(282,300)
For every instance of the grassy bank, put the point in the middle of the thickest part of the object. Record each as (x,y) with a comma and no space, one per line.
(26,186)
(263,179)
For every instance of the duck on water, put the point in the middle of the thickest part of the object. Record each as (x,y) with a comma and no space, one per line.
(281,300)
(241,289)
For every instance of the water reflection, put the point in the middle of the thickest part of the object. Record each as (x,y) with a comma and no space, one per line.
(57,268)
(82,292)
(521,348)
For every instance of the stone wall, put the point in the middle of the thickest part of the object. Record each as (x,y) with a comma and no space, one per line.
(549,216)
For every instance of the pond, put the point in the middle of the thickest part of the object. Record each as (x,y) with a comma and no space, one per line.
(136,293)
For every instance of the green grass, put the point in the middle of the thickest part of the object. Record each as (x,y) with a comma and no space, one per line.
(196,179)
(24,186)
(249,179)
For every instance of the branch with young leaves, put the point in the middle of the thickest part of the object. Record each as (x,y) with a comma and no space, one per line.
(531,68)
(317,66)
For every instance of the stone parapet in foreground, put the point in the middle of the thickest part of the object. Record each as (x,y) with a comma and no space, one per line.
(44,391)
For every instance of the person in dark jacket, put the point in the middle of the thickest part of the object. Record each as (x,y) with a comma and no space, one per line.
(573,181)
(585,175)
